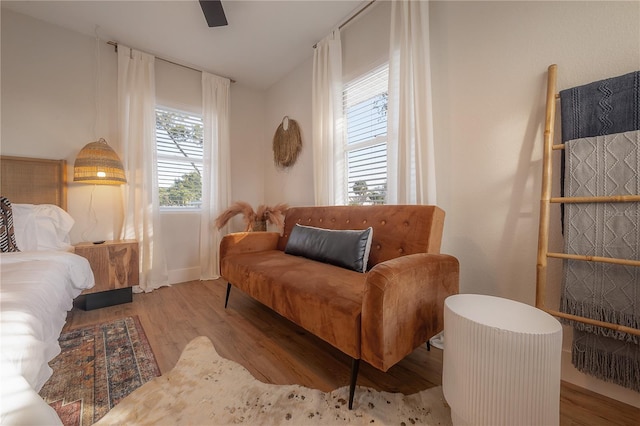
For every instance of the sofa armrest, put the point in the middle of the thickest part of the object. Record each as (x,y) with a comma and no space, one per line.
(248,242)
(403,305)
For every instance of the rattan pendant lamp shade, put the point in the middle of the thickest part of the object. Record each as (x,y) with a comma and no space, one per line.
(97,163)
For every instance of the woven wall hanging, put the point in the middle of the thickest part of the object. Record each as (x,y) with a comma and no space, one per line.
(287,143)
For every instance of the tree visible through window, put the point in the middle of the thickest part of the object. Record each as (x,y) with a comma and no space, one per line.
(180,153)
(365,110)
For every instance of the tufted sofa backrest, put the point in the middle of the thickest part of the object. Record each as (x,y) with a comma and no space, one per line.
(398,230)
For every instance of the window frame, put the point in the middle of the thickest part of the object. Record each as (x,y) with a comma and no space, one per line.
(160,157)
(348,148)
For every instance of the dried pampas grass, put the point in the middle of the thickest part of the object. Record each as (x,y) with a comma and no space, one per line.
(287,143)
(239,207)
(273,215)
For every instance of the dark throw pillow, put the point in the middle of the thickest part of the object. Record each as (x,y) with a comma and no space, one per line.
(348,249)
(7,236)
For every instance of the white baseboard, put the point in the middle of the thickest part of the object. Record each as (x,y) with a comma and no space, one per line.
(183,275)
(572,375)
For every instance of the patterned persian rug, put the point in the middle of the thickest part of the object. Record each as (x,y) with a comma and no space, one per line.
(205,389)
(99,365)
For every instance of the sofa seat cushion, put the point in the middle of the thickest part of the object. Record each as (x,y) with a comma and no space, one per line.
(324,299)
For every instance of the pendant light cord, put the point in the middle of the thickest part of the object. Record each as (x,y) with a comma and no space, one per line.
(93,218)
(97,83)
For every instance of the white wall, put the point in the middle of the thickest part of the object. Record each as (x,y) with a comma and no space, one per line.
(290,97)
(180,88)
(365,41)
(489,62)
(49,109)
(248,124)
(49,103)
(365,45)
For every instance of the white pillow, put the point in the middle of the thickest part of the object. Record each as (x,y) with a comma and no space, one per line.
(24,226)
(41,227)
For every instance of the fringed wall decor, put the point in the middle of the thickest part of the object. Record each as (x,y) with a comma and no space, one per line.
(287,143)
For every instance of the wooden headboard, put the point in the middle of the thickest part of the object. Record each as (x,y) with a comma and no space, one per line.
(27,180)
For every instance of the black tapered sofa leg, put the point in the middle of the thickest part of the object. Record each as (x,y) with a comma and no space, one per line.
(226,300)
(355,366)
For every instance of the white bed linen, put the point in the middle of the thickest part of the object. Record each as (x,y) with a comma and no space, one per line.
(36,291)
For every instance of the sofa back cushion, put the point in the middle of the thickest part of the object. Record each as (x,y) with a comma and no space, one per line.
(398,230)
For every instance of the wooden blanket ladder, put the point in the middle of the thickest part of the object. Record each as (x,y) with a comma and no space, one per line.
(545,207)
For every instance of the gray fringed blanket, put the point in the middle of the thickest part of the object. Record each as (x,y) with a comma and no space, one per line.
(597,166)
(601,108)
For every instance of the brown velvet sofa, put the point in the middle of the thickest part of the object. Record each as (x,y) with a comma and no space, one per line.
(379,316)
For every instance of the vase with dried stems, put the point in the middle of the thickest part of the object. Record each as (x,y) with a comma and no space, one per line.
(255,220)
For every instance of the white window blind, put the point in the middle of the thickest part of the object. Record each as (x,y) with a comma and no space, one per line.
(180,153)
(365,109)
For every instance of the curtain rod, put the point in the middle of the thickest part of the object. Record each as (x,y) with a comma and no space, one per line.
(352,17)
(115,45)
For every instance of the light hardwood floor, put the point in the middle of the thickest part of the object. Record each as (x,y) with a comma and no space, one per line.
(277,351)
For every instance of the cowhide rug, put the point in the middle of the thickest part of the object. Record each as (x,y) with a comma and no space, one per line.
(205,389)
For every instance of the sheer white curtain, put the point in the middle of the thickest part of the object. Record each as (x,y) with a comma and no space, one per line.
(328,164)
(137,129)
(216,182)
(411,163)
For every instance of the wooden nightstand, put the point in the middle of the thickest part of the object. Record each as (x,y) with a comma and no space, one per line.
(115,268)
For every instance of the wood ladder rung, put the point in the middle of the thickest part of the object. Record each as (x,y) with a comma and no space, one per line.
(597,199)
(591,321)
(628,262)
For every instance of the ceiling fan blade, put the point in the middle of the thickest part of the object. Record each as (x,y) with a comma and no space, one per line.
(214,13)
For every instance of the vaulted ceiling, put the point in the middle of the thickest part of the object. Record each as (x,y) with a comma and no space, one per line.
(262,43)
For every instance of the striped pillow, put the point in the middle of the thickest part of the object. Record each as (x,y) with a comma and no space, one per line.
(7,237)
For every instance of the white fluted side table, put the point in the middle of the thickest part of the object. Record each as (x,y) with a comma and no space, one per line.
(501,362)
